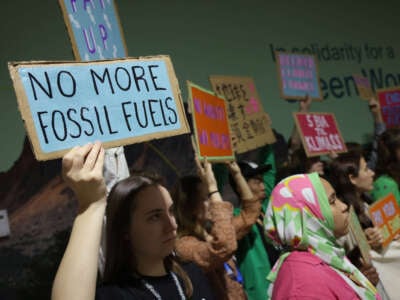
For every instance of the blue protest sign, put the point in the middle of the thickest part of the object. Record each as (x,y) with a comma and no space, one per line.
(117,102)
(298,76)
(94,29)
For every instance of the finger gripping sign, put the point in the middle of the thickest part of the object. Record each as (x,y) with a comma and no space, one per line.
(319,133)
(211,127)
(298,76)
(117,102)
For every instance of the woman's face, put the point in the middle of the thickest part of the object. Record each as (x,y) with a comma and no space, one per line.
(365,178)
(340,211)
(152,228)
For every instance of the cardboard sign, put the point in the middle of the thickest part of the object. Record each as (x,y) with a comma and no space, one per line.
(319,133)
(389,100)
(249,124)
(117,102)
(359,235)
(298,76)
(210,123)
(363,86)
(385,214)
(94,29)
(4,224)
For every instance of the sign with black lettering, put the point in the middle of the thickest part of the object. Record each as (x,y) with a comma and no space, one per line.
(319,133)
(117,102)
(389,100)
(210,123)
(94,29)
(298,76)
(249,124)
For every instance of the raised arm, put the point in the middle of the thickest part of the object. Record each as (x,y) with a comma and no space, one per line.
(250,206)
(76,276)
(219,245)
(379,128)
(295,140)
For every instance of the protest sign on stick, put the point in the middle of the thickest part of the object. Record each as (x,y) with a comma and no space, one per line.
(389,100)
(359,236)
(94,29)
(117,102)
(364,87)
(385,214)
(319,133)
(249,124)
(210,124)
(298,76)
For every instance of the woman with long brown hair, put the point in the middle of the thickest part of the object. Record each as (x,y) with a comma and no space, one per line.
(208,232)
(140,238)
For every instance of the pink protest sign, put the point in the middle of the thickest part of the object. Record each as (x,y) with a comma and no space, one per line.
(389,100)
(319,133)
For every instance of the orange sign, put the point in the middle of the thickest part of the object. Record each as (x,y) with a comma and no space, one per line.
(385,214)
(211,127)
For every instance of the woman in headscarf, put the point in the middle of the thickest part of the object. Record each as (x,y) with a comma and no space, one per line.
(305,218)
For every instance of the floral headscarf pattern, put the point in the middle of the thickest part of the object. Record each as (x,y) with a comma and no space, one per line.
(299,217)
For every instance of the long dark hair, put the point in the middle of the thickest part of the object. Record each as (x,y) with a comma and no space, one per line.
(388,164)
(121,204)
(186,205)
(341,168)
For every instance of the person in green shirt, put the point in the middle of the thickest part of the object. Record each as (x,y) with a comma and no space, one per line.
(255,256)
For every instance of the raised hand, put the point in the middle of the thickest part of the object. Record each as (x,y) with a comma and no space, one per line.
(204,170)
(375,109)
(305,104)
(82,170)
(374,237)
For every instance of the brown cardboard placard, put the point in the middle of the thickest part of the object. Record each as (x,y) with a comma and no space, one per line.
(118,102)
(249,124)
(363,86)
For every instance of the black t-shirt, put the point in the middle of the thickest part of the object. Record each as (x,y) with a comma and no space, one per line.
(131,289)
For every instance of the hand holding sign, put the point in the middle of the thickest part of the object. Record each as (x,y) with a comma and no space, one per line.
(374,236)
